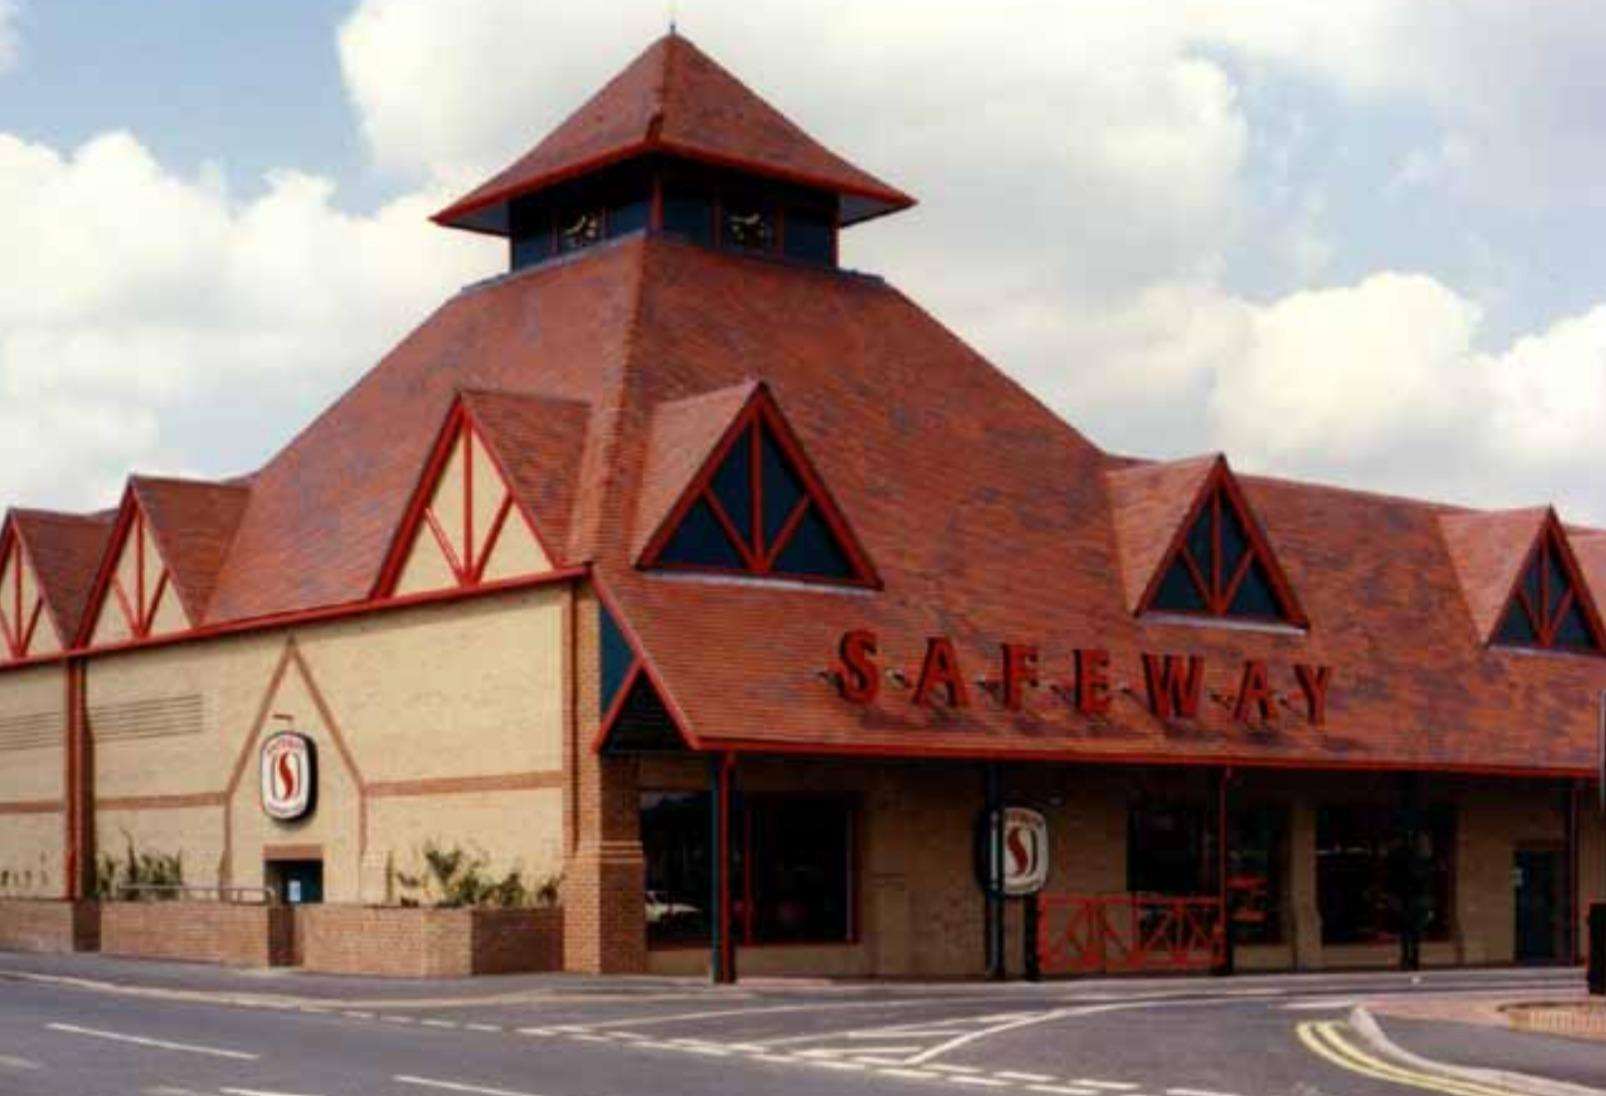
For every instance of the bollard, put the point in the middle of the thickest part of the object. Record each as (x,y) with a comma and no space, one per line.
(1597,949)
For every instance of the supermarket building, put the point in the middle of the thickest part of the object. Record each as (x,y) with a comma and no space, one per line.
(724,593)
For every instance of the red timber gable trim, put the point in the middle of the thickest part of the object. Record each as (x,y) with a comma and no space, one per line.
(1549,605)
(462,515)
(1204,571)
(22,601)
(757,543)
(134,584)
(640,680)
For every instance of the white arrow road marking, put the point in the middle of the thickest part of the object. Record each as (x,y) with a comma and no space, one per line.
(455,1086)
(161,1044)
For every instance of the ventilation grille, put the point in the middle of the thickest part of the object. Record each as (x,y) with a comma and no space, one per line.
(159,718)
(32,731)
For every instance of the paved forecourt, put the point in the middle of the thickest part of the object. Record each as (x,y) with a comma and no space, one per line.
(184,1030)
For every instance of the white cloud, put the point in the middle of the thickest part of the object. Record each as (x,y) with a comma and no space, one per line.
(135,298)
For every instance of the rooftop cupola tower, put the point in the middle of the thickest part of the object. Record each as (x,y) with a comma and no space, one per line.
(676,145)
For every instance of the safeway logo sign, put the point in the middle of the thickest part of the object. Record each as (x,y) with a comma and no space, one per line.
(289,776)
(1025,848)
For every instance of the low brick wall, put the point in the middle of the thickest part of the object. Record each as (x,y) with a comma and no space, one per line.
(202,932)
(1575,1019)
(428,943)
(28,924)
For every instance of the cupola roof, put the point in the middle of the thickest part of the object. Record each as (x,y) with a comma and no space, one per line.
(675,100)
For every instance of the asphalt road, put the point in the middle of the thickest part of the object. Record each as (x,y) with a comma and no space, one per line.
(78,1026)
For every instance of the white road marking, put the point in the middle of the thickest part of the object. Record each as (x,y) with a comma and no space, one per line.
(828,1063)
(1108,1086)
(397,1019)
(760,1011)
(979,1082)
(1316,1004)
(1196,1092)
(256,1092)
(439,1023)
(160,1044)
(957,1069)
(1011,1075)
(778,1059)
(8,1062)
(536,1031)
(356,1015)
(912,1074)
(1061,1090)
(456,1086)
(584,1038)
(482,1027)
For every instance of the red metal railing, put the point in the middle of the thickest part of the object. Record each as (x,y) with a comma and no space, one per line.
(1096,934)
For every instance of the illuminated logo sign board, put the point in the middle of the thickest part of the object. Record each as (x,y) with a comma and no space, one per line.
(1173,685)
(289,776)
(1025,848)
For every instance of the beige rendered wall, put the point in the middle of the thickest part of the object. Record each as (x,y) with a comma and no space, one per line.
(435,723)
(33,731)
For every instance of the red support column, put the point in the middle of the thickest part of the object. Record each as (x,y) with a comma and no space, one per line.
(1224,894)
(79,883)
(722,953)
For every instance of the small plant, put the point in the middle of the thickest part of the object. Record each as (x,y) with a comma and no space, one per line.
(454,878)
(127,877)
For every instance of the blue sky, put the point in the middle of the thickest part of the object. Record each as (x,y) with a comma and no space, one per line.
(1353,242)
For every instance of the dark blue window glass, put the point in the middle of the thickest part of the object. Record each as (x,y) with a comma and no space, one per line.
(1234,542)
(1255,597)
(733,485)
(617,657)
(1571,631)
(701,540)
(813,550)
(782,488)
(629,215)
(1199,546)
(689,212)
(808,235)
(1178,592)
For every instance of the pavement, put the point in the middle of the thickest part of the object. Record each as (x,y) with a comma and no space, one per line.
(94,1025)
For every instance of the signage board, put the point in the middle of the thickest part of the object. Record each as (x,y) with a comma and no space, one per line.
(1025,848)
(289,776)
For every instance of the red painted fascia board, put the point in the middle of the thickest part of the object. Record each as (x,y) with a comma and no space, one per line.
(895,199)
(957,753)
(313,616)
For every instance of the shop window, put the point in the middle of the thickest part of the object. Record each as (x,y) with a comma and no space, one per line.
(688,211)
(792,870)
(1546,609)
(1168,851)
(747,222)
(758,512)
(530,232)
(1220,570)
(1366,871)
(1257,849)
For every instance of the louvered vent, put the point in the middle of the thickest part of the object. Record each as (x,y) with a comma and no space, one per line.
(32,731)
(158,718)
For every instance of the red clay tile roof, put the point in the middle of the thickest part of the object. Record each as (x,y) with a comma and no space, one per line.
(193,523)
(538,442)
(64,550)
(1150,502)
(674,99)
(988,517)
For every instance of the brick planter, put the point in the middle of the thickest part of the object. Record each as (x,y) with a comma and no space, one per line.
(428,943)
(203,932)
(48,925)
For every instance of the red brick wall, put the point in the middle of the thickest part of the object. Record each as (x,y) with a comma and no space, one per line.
(604,883)
(48,925)
(206,932)
(428,943)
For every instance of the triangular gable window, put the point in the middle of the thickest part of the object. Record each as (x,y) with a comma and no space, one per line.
(760,509)
(1222,568)
(634,718)
(139,600)
(1546,610)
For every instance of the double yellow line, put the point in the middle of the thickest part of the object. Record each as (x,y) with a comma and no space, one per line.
(1325,1039)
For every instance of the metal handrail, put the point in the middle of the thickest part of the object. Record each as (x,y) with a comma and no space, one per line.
(264,896)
